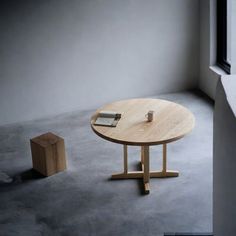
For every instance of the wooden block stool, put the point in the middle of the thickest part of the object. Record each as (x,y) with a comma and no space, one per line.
(48,154)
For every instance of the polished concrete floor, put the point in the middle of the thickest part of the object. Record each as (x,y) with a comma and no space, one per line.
(83,200)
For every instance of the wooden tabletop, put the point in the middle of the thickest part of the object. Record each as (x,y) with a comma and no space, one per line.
(171,122)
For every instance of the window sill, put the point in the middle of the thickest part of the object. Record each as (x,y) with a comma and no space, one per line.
(217,71)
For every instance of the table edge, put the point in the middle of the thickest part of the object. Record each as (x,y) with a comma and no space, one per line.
(141,143)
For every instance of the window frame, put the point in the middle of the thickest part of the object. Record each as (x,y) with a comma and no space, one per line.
(222,36)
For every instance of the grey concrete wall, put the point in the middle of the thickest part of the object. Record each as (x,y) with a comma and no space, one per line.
(63,55)
(224,161)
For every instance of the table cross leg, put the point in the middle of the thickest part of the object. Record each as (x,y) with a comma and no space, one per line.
(125,150)
(164,173)
(145,173)
(145,168)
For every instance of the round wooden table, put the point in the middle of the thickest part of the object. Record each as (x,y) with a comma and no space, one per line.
(171,122)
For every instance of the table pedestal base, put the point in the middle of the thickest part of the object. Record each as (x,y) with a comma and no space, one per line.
(145,174)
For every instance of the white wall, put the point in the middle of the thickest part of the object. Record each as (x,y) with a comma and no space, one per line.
(233,37)
(207,78)
(59,55)
(224,156)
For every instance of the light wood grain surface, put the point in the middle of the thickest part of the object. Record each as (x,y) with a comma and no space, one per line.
(171,122)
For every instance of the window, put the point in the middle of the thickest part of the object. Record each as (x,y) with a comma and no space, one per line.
(223,34)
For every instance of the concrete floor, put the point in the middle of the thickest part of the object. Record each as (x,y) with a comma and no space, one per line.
(83,201)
